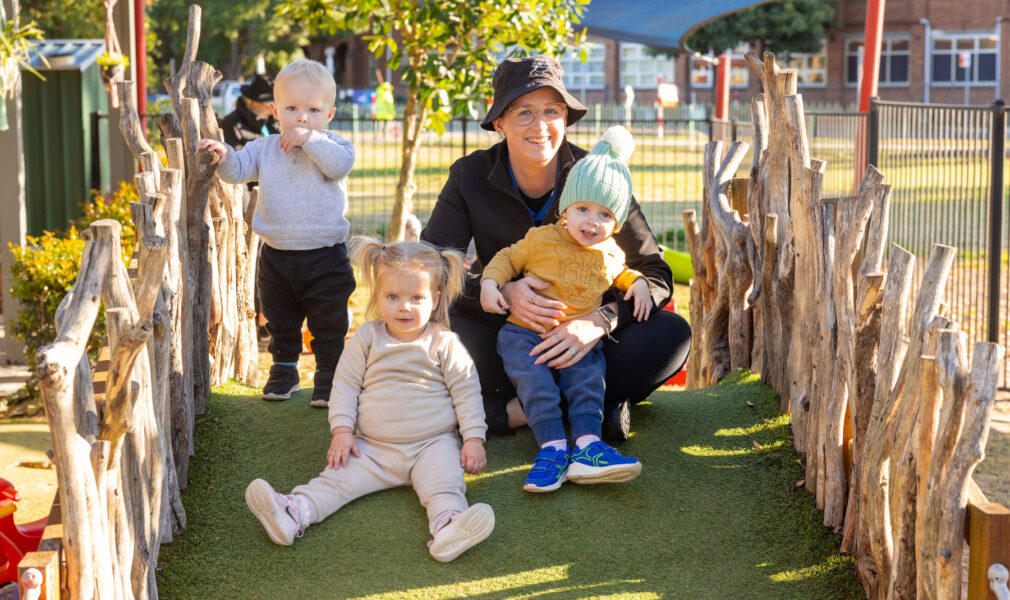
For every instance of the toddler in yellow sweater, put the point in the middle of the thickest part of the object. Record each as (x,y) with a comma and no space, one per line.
(579,260)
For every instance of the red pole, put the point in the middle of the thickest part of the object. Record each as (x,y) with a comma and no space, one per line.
(722,70)
(140,60)
(871,74)
(871,52)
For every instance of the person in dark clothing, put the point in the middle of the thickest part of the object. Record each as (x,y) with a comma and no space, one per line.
(252,117)
(493,197)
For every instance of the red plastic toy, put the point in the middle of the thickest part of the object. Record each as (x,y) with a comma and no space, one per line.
(15,540)
(681,377)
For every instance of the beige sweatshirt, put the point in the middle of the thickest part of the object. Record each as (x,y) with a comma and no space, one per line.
(406,391)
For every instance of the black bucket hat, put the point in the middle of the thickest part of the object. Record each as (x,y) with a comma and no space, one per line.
(260,89)
(517,76)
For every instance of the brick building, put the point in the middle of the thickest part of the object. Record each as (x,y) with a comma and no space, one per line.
(923,41)
(940,51)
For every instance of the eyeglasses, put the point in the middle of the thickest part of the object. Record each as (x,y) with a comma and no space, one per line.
(524,115)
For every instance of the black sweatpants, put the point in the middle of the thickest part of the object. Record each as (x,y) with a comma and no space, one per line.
(295,285)
(640,358)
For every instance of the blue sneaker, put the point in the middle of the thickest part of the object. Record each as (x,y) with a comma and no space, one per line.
(548,472)
(599,463)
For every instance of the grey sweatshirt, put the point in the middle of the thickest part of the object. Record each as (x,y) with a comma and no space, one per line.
(303,195)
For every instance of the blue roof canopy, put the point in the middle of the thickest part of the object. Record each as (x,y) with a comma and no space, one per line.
(658,23)
(66,55)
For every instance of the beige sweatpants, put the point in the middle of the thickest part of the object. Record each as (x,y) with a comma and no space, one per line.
(430,466)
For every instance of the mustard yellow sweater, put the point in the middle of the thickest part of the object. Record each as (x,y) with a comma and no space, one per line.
(576,275)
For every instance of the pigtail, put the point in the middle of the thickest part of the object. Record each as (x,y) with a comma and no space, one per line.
(366,252)
(452,284)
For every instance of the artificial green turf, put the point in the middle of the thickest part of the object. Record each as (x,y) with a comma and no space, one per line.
(711,516)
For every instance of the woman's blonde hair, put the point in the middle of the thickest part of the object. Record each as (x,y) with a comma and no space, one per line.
(377,261)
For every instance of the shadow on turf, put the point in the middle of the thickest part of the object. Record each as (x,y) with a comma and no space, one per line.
(711,516)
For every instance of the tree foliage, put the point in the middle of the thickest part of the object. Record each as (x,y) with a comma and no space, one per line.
(66,19)
(780,26)
(446,50)
(234,33)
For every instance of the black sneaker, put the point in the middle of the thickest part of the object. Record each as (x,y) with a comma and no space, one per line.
(617,421)
(282,383)
(321,390)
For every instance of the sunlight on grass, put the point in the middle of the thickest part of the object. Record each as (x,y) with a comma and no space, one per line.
(489,474)
(479,586)
(619,596)
(795,575)
(710,451)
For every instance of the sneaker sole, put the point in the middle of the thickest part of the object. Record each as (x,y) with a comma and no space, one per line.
(531,487)
(469,528)
(320,403)
(277,397)
(585,474)
(259,498)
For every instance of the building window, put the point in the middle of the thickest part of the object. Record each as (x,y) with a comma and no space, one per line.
(703,69)
(965,58)
(702,73)
(584,75)
(812,68)
(894,57)
(639,69)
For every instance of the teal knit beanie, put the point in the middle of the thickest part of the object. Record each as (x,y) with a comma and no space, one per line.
(602,176)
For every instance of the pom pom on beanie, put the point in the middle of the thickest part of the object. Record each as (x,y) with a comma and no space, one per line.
(602,176)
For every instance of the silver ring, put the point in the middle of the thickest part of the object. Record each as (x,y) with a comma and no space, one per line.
(533,299)
(557,336)
(571,351)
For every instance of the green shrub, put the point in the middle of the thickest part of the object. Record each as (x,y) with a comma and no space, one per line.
(46,267)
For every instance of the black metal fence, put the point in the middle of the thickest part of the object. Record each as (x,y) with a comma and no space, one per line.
(666,166)
(946,166)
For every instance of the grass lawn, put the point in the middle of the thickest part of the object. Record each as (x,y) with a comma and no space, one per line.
(712,515)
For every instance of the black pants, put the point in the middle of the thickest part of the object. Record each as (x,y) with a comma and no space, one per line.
(640,358)
(295,285)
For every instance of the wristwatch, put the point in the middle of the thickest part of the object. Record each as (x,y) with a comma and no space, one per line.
(609,315)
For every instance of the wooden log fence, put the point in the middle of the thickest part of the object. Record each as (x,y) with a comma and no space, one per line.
(181,324)
(888,405)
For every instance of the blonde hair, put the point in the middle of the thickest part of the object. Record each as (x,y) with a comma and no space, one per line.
(313,71)
(378,261)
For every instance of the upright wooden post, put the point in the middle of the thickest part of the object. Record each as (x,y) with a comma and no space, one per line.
(13,214)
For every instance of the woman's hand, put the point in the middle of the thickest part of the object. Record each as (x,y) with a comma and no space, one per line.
(342,446)
(567,343)
(639,290)
(524,302)
(472,457)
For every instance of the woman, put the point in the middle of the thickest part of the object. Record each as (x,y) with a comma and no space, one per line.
(494,196)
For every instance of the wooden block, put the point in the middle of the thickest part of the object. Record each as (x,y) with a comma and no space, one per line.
(48,563)
(988,534)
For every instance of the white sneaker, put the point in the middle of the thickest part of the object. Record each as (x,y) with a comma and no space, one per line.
(464,531)
(280,515)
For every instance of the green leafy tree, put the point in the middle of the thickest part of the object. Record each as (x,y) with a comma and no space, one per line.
(780,26)
(447,50)
(234,34)
(66,19)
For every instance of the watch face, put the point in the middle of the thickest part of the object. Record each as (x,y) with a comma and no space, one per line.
(609,313)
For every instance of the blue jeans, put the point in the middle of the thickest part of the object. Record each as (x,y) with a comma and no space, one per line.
(540,387)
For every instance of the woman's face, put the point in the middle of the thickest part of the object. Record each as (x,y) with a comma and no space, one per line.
(537,142)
